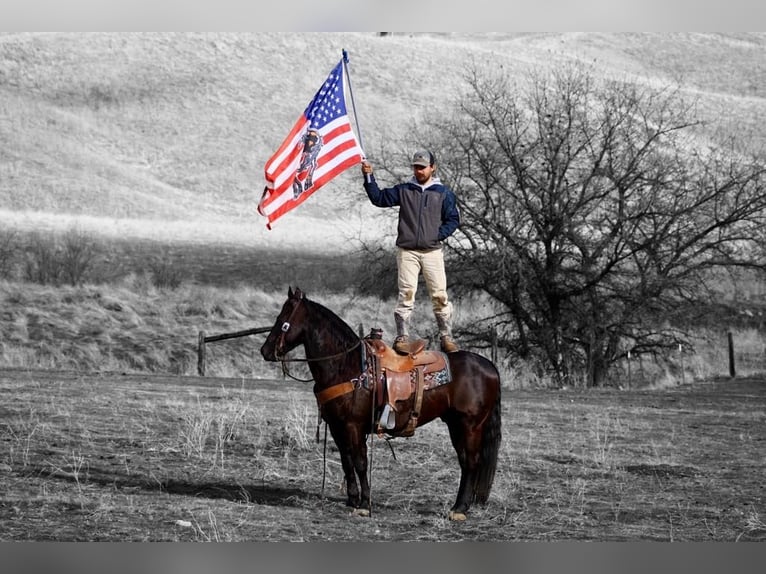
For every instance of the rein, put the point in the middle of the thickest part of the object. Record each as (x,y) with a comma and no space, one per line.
(284,360)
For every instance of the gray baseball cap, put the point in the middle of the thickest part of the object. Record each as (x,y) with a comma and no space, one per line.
(423,158)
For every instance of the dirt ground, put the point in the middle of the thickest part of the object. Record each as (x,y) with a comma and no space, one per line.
(122,457)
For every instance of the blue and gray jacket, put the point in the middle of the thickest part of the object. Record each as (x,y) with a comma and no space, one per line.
(427,216)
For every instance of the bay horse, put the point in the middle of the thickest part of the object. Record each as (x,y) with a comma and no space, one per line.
(469,403)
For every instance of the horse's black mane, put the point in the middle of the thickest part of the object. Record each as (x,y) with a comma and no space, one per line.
(344,333)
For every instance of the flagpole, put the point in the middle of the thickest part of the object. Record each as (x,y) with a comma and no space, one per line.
(353,107)
(353,103)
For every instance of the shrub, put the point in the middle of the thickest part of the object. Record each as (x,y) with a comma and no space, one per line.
(9,243)
(53,260)
(42,263)
(165,273)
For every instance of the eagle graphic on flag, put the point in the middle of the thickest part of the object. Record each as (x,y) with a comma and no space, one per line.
(320,146)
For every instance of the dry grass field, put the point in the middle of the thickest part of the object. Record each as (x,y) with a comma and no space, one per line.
(114,457)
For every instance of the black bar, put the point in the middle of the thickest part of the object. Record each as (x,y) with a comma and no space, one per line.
(244,333)
(201,358)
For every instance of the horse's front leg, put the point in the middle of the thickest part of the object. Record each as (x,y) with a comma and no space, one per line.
(359,456)
(353,457)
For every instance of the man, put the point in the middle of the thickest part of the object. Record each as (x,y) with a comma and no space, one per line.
(312,144)
(428,214)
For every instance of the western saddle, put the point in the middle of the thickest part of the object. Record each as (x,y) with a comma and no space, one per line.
(397,377)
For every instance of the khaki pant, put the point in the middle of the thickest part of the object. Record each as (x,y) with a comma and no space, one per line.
(411,264)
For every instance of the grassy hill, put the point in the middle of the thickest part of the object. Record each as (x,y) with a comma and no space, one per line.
(140,138)
(166,135)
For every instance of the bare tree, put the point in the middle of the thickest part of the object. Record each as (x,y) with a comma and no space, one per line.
(594,213)
(78,254)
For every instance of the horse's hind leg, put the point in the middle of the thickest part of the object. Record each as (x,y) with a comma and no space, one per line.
(467,443)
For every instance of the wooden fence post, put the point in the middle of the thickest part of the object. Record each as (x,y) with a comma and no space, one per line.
(201,359)
(681,354)
(732,369)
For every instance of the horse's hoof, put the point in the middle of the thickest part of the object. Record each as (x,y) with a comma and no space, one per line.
(361,512)
(457,516)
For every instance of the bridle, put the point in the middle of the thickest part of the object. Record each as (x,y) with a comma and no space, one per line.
(286,325)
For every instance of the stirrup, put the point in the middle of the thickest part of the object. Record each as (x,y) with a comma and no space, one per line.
(387,418)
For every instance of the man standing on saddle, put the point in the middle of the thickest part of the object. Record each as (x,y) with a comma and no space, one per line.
(428,214)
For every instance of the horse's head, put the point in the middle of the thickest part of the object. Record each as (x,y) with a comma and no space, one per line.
(288,330)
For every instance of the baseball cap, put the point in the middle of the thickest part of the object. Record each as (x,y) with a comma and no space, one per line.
(423,158)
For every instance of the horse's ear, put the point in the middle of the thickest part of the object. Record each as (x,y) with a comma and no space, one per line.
(297,294)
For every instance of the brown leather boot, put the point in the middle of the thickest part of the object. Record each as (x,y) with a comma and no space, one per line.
(448,344)
(402,344)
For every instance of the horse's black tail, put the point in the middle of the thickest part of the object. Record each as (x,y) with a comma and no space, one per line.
(490,448)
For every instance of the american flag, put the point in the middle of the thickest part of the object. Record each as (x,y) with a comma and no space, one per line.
(293,173)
